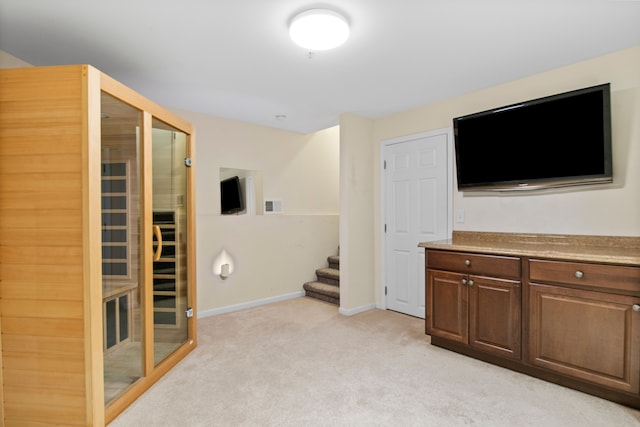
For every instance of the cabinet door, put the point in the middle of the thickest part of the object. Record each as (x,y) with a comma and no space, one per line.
(494,316)
(593,336)
(447,306)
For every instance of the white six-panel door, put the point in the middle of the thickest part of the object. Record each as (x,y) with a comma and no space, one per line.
(416,209)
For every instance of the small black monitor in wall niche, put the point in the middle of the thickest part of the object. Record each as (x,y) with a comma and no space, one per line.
(231,197)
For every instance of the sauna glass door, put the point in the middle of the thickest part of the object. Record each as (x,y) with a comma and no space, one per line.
(122,277)
(170,290)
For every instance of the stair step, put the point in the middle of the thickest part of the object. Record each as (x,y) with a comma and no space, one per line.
(334,261)
(330,276)
(329,273)
(327,285)
(323,291)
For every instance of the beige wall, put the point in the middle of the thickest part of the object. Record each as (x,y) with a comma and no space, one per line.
(273,254)
(302,170)
(603,210)
(9,61)
(356,220)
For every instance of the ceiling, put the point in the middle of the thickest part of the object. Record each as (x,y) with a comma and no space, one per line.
(234,59)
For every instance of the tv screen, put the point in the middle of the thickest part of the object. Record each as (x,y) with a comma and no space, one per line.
(231,199)
(555,141)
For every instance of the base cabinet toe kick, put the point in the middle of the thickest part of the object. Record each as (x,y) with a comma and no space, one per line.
(573,323)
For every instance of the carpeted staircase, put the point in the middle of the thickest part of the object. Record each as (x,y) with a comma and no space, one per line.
(327,287)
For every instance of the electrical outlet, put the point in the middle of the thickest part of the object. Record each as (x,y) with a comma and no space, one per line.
(459,215)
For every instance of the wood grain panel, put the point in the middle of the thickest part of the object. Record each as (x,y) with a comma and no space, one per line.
(51,381)
(31,423)
(39,327)
(38,218)
(21,165)
(53,112)
(447,315)
(584,334)
(44,397)
(37,200)
(42,238)
(38,94)
(66,363)
(611,277)
(46,289)
(62,184)
(62,385)
(491,265)
(50,346)
(54,274)
(27,414)
(43,309)
(40,255)
(38,83)
(495,316)
(25,141)
(43,138)
(41,168)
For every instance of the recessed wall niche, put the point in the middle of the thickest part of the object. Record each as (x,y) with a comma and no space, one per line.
(250,189)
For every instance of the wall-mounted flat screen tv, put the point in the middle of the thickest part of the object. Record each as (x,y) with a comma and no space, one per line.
(556,141)
(231,198)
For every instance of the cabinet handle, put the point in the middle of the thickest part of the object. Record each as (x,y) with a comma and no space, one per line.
(579,274)
(470,282)
(158,234)
(467,262)
(463,281)
(636,307)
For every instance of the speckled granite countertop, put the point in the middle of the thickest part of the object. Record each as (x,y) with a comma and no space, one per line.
(604,249)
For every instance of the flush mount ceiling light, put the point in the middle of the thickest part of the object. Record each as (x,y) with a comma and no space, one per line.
(319,29)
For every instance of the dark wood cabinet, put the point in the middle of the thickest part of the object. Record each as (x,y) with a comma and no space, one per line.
(566,321)
(466,307)
(447,313)
(495,316)
(583,333)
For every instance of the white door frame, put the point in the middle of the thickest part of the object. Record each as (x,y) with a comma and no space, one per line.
(383,196)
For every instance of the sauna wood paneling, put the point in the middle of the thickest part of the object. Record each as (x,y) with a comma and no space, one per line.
(41,229)
(51,369)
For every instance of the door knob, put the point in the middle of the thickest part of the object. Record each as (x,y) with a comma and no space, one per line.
(463,281)
(636,307)
(470,282)
(467,262)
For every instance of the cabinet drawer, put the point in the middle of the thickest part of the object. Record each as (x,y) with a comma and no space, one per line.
(471,263)
(584,274)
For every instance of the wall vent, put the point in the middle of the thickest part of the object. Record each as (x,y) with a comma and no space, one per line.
(273,206)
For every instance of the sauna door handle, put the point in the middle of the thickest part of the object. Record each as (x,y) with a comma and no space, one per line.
(158,234)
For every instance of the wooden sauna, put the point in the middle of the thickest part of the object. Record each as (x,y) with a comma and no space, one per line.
(97,245)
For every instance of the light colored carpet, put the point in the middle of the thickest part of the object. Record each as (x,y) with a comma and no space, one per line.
(300,363)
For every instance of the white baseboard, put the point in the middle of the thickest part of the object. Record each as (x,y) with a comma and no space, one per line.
(352,311)
(249,304)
